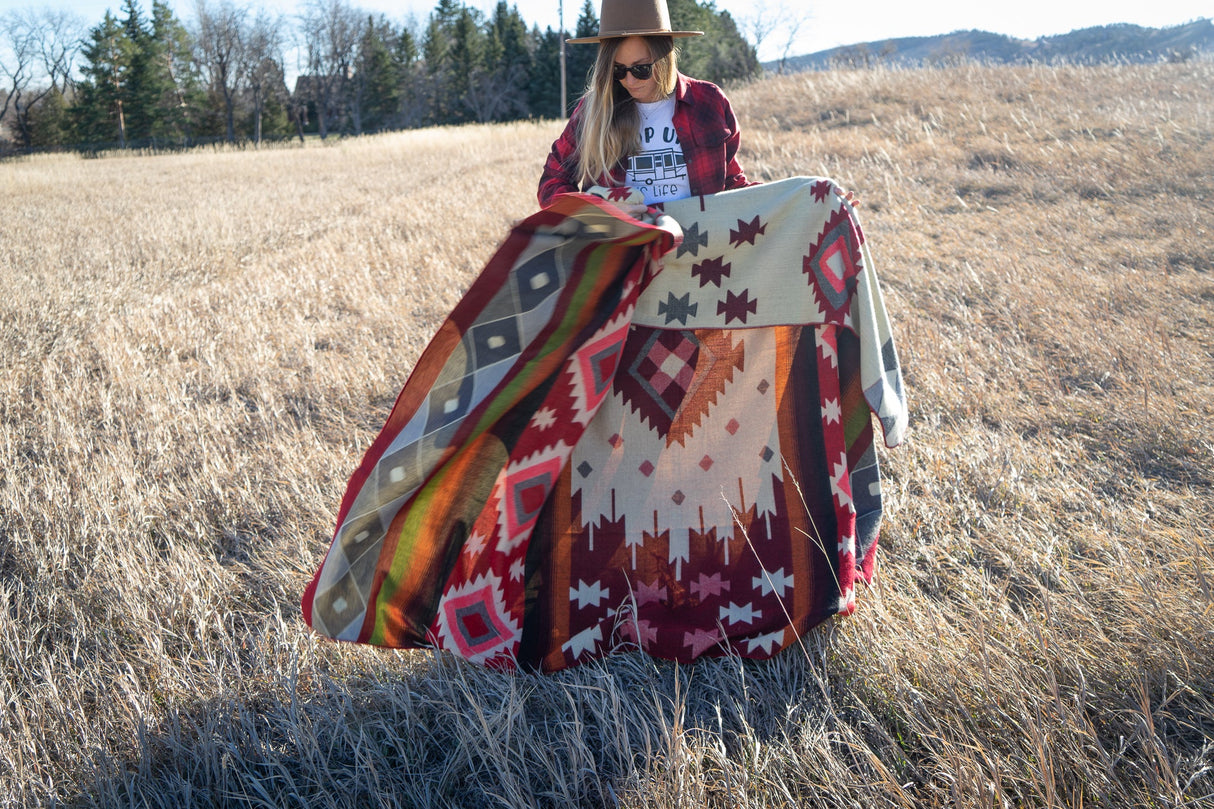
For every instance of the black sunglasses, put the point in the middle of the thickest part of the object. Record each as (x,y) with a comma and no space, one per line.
(641,72)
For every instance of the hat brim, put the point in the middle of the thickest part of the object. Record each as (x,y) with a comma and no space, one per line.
(625,34)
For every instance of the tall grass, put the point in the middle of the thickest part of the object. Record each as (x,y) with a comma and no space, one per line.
(196,349)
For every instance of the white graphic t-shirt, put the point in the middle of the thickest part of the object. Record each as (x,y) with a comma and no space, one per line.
(658,171)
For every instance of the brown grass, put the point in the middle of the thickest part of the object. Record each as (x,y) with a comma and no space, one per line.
(195,350)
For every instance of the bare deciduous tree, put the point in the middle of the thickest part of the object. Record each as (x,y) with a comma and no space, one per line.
(331,30)
(37,53)
(264,48)
(16,60)
(221,49)
(59,38)
(788,18)
(491,94)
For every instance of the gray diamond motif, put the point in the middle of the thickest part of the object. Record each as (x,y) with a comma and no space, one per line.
(677,308)
(693,240)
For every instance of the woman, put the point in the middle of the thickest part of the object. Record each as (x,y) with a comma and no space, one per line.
(632,433)
(641,123)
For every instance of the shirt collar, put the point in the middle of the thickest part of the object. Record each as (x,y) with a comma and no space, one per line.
(681,88)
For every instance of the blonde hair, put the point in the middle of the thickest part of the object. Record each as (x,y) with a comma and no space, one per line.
(607,129)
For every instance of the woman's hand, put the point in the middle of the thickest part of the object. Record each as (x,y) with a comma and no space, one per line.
(849,197)
(624,199)
(628,208)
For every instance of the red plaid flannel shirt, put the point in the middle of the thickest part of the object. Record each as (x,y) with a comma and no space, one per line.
(707,131)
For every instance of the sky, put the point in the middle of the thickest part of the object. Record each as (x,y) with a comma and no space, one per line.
(824,24)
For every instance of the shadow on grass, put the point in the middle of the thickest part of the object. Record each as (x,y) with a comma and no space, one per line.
(620,731)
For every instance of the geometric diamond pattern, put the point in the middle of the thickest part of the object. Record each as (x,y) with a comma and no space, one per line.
(596,365)
(526,492)
(832,264)
(536,280)
(473,620)
(496,341)
(657,375)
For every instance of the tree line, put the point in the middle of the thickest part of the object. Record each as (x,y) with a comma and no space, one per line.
(147,79)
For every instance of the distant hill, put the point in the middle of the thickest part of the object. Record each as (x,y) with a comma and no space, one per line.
(1087,45)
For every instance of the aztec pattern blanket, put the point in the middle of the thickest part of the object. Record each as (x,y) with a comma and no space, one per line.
(631,434)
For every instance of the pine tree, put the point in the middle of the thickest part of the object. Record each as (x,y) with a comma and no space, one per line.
(141,86)
(100,111)
(579,59)
(544,79)
(436,53)
(487,95)
(497,87)
(731,57)
(410,110)
(467,62)
(172,92)
(722,55)
(377,89)
(51,122)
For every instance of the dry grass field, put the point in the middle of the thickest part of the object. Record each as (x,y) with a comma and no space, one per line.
(196,349)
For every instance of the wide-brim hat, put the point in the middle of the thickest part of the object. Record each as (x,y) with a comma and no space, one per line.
(634,18)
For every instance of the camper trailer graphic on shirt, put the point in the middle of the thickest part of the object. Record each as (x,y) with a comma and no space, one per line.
(659,175)
(651,167)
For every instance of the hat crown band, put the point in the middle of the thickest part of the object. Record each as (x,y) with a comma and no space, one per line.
(634,17)
(622,18)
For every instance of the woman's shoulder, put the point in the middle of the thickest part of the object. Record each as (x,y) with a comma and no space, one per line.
(698,89)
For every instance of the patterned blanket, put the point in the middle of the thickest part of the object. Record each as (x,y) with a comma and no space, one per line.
(631,434)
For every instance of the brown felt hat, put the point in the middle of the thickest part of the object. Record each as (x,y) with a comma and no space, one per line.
(634,18)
